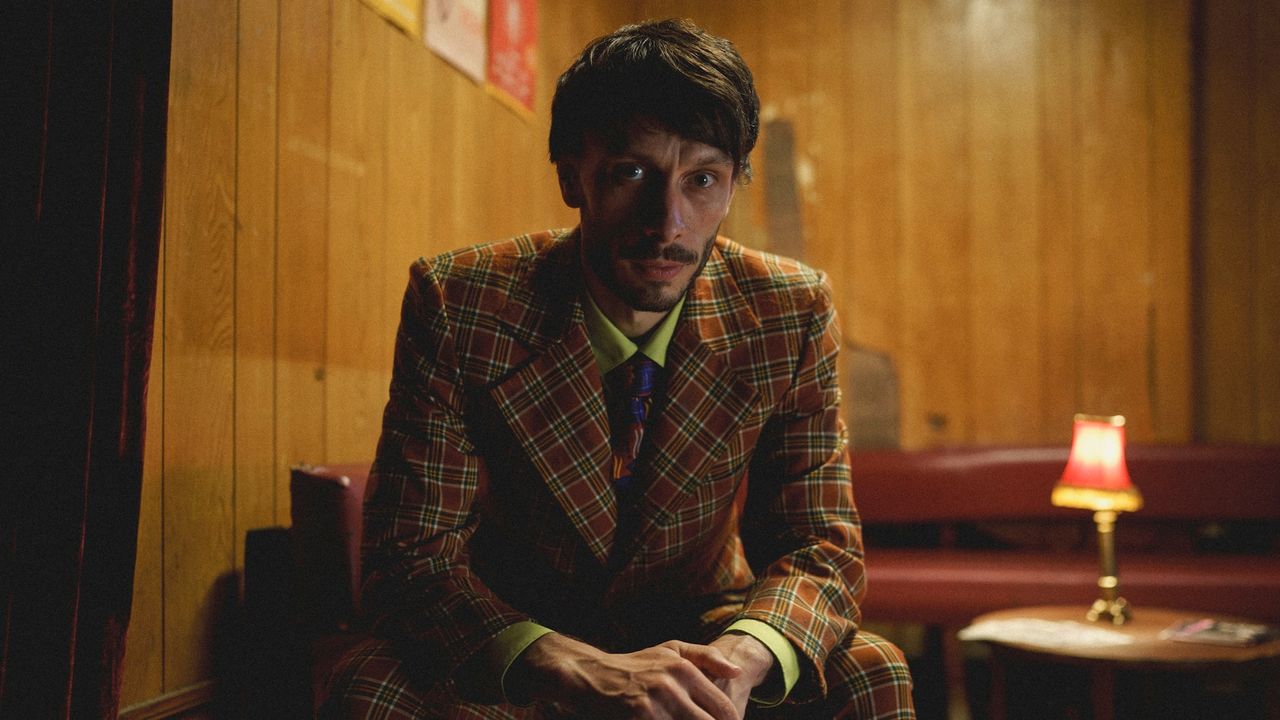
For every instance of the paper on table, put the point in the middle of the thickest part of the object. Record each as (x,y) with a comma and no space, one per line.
(1044,633)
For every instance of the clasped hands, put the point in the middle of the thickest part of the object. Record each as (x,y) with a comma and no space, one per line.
(675,680)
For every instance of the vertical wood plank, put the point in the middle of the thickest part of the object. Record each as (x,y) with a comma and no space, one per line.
(443,233)
(144,650)
(871,87)
(411,121)
(1170,230)
(198,336)
(1059,232)
(357,327)
(1113,268)
(1266,227)
(1004,289)
(822,146)
(1224,375)
(789,90)
(255,270)
(868,199)
(934,182)
(467,208)
(302,238)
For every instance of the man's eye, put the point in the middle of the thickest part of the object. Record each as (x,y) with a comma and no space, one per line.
(702,180)
(628,172)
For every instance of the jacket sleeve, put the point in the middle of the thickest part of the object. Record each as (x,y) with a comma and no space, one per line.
(800,530)
(420,505)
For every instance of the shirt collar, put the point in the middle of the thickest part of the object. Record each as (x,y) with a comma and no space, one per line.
(611,348)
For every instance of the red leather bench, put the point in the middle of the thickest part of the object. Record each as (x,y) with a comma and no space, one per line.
(954,533)
(950,534)
(302,592)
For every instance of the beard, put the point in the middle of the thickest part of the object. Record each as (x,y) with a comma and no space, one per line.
(644,297)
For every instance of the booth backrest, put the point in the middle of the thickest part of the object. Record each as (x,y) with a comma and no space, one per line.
(327,517)
(1184,487)
(1178,482)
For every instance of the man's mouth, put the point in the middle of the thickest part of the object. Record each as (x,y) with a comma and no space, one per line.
(657,270)
(669,255)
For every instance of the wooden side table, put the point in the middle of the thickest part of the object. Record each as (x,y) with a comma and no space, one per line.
(1148,652)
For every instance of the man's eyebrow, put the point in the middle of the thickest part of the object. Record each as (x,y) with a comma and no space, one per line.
(707,156)
(712,156)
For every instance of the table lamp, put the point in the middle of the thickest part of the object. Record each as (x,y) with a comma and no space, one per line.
(1096,478)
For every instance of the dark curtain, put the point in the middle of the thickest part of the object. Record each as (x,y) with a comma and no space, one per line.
(84,97)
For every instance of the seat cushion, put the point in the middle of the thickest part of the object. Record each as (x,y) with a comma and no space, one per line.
(951,587)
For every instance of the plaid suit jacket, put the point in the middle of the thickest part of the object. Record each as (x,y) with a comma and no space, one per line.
(490,499)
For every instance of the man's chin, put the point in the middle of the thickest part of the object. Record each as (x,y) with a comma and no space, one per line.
(650,301)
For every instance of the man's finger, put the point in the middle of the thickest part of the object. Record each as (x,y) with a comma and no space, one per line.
(707,659)
(709,697)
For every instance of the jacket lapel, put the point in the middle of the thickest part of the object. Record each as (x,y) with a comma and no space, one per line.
(553,402)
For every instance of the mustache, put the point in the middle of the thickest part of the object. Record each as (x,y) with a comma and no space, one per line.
(651,251)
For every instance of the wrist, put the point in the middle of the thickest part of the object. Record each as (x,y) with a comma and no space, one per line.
(748,653)
(540,670)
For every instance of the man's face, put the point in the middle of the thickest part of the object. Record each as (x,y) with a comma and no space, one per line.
(650,208)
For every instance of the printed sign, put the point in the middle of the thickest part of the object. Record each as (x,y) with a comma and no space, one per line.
(455,30)
(513,51)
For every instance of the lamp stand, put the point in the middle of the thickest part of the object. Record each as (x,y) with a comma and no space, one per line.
(1110,606)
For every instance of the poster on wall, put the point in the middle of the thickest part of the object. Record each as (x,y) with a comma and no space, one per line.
(404,14)
(513,52)
(455,30)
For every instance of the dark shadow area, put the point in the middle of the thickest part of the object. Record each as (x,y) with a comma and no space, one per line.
(259,657)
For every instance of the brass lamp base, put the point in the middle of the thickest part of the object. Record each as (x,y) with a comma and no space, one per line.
(1110,606)
(1117,611)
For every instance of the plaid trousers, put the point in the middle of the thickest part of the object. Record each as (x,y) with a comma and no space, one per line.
(867,678)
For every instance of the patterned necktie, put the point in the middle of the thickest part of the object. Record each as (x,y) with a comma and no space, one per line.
(635,393)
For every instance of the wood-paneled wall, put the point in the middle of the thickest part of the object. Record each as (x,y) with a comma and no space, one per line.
(1000,191)
(314,153)
(1237,289)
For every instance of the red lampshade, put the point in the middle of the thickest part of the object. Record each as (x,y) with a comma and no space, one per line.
(1096,477)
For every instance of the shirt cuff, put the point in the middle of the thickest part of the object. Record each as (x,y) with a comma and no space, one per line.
(506,646)
(768,693)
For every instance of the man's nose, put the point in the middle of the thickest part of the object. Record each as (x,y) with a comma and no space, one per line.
(665,214)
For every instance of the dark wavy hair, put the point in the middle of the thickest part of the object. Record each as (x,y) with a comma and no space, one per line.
(668,71)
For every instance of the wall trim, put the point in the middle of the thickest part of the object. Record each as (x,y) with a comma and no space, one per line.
(170,704)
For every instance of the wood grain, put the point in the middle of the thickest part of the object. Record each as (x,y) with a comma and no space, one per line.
(302,238)
(934,196)
(1112,268)
(1228,409)
(1170,359)
(357,356)
(1266,227)
(255,270)
(1059,206)
(1237,296)
(198,331)
(870,70)
(410,190)
(1003,254)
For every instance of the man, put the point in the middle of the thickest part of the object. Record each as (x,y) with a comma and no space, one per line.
(612,479)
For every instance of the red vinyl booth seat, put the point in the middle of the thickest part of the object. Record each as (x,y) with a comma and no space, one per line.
(1033,553)
(1174,552)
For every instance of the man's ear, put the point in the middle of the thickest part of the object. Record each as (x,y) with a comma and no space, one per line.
(570,187)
